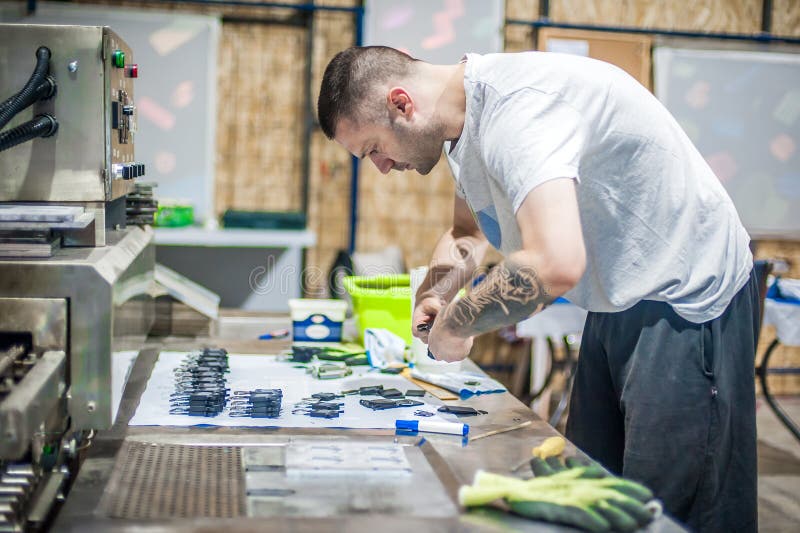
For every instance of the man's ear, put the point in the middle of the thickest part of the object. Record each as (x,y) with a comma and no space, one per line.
(400,103)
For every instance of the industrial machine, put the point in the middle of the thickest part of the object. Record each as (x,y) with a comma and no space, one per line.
(75,277)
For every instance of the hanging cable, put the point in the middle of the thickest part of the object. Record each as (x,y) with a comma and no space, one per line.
(43,91)
(26,96)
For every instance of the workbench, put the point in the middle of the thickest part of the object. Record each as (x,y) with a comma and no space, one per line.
(441,463)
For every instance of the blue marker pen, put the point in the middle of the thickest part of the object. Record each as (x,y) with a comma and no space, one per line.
(432,426)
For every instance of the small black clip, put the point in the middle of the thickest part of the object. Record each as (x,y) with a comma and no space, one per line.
(461,410)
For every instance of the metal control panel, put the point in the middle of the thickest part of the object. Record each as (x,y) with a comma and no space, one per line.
(91,158)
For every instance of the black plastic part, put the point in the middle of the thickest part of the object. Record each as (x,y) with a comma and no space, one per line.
(115,114)
(391,393)
(341,268)
(325,396)
(324,413)
(460,410)
(418,393)
(321,406)
(378,404)
(407,402)
(303,354)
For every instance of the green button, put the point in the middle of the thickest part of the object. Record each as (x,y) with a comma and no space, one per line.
(118,58)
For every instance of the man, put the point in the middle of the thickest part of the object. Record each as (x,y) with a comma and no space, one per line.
(591,190)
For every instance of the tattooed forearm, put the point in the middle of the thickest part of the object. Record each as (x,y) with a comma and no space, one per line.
(511,292)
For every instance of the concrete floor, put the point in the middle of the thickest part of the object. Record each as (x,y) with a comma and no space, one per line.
(778,469)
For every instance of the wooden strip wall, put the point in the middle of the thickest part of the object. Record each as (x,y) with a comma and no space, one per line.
(786,18)
(330,179)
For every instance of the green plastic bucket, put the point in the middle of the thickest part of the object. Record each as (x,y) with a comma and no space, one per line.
(381,302)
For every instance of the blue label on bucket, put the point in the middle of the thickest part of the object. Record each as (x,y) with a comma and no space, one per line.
(317,327)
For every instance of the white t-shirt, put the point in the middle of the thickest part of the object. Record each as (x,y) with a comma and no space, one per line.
(657,223)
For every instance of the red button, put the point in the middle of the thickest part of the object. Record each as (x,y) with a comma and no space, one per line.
(133,71)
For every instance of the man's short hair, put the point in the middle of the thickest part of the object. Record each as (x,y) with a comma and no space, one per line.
(349,80)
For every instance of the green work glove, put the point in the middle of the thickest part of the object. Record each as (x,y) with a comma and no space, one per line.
(580,495)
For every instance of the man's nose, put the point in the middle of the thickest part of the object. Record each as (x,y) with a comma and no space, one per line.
(384,164)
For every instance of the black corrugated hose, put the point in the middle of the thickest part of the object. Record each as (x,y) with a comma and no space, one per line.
(26,96)
(41,126)
(44,91)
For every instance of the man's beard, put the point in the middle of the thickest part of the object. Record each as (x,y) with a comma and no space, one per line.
(423,146)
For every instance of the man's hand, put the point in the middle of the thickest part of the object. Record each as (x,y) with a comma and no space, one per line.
(446,346)
(425,311)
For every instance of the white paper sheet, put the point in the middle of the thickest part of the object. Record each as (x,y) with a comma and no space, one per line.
(249,372)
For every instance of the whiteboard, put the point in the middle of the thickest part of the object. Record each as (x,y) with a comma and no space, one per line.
(436,31)
(742,111)
(175,93)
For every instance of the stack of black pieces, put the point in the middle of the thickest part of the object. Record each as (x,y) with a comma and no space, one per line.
(320,405)
(257,403)
(141,205)
(200,384)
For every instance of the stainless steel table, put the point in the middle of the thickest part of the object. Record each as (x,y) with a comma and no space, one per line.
(441,464)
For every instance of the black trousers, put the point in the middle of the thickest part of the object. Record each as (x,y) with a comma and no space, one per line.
(671,404)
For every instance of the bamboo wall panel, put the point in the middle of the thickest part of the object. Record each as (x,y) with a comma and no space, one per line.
(606,12)
(735,16)
(330,167)
(786,18)
(260,117)
(519,38)
(406,209)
